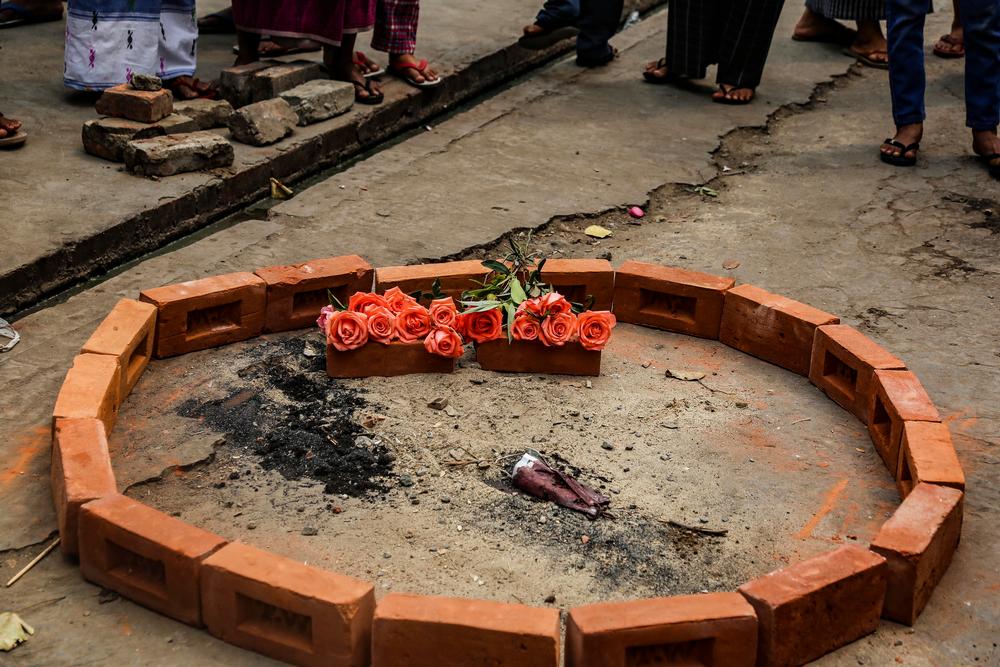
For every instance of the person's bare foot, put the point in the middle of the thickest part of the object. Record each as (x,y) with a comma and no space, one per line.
(870,46)
(951,45)
(406,66)
(985,143)
(533,29)
(657,72)
(34,11)
(366,64)
(339,62)
(8,126)
(906,135)
(815,28)
(728,94)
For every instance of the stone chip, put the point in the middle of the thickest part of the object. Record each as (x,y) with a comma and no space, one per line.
(178,153)
(263,123)
(320,99)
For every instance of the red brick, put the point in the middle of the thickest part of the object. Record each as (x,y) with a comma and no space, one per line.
(127,333)
(209,312)
(669,298)
(771,327)
(456,277)
(424,631)
(898,397)
(81,472)
(813,607)
(578,279)
(524,356)
(714,630)
(378,360)
(91,389)
(145,555)
(296,293)
(843,366)
(289,611)
(143,106)
(928,455)
(918,542)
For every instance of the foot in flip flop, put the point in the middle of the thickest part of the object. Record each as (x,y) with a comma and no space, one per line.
(986,144)
(366,91)
(414,72)
(11,134)
(191,88)
(368,67)
(536,37)
(24,12)
(813,27)
(729,94)
(951,45)
(657,72)
(901,150)
(870,47)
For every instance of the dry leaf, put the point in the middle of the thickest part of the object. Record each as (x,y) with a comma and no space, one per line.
(13,631)
(687,376)
(731,264)
(597,232)
(279,190)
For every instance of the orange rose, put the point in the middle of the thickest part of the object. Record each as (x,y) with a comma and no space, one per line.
(444,342)
(484,326)
(346,330)
(558,329)
(412,324)
(525,327)
(462,325)
(595,328)
(364,302)
(381,325)
(443,312)
(552,303)
(397,301)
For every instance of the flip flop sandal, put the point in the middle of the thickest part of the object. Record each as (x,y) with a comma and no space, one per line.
(993,168)
(724,99)
(25,16)
(866,58)
(900,160)
(540,41)
(278,50)
(399,70)
(217,23)
(201,90)
(372,98)
(649,77)
(949,55)
(15,140)
(362,61)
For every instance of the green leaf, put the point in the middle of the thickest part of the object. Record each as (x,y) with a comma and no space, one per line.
(334,301)
(494,265)
(480,306)
(517,294)
(436,289)
(511,314)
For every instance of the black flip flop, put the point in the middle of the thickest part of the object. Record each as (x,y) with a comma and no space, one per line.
(543,40)
(994,168)
(372,98)
(900,160)
(649,77)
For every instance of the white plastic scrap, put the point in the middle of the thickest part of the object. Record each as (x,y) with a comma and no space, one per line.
(7,331)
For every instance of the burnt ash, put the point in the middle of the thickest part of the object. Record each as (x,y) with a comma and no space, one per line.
(298,422)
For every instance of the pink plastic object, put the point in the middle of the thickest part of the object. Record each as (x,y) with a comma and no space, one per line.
(636,212)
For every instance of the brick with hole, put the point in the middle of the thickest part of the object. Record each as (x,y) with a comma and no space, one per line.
(843,366)
(456,277)
(297,292)
(771,327)
(205,313)
(713,629)
(91,389)
(918,543)
(669,298)
(578,279)
(810,608)
(426,631)
(127,333)
(145,555)
(898,398)
(927,454)
(284,609)
(81,471)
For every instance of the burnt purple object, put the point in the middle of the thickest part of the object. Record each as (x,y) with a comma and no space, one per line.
(535,477)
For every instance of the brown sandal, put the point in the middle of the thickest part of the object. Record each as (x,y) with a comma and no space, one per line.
(191,88)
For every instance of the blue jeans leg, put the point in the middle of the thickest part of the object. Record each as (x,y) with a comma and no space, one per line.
(981,23)
(907,80)
(599,20)
(558,13)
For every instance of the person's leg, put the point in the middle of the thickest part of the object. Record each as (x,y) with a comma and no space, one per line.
(557,13)
(952,45)
(747,30)
(396,34)
(907,80)
(598,21)
(981,23)
(692,41)
(813,26)
(339,62)
(249,47)
(870,44)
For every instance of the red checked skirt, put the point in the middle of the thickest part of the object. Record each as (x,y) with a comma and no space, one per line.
(325,21)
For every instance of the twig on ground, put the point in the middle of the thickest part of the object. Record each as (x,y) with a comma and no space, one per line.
(34,561)
(696,529)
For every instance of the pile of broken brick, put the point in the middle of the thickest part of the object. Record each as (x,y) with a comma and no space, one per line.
(304,615)
(262,103)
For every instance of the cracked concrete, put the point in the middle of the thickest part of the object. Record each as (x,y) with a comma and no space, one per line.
(808,211)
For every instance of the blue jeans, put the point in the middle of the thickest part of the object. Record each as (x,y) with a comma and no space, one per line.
(598,21)
(907,81)
(558,13)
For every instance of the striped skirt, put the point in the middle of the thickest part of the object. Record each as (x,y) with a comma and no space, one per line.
(107,41)
(849,10)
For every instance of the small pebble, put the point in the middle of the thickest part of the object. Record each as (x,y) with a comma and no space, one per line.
(310,530)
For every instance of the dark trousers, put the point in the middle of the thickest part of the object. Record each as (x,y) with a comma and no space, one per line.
(557,13)
(907,81)
(598,21)
(736,34)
